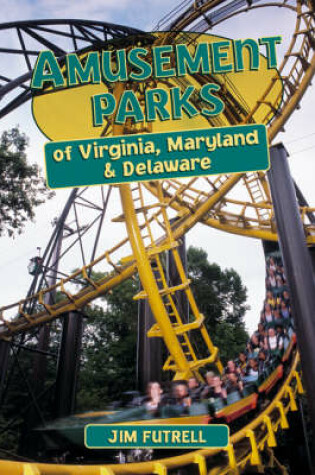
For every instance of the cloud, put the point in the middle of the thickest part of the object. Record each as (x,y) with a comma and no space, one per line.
(138,13)
(98,9)
(13,10)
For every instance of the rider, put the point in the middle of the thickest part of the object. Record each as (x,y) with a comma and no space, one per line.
(194,389)
(154,397)
(182,398)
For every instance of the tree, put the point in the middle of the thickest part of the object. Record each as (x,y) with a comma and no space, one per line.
(221,298)
(108,362)
(21,186)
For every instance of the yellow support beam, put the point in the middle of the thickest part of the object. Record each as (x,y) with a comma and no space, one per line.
(200,460)
(106,471)
(293,405)
(160,469)
(163,292)
(30,469)
(271,441)
(254,458)
(283,418)
(232,459)
(298,383)
(180,329)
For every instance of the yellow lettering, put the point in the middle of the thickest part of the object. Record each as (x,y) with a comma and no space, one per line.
(113,440)
(128,168)
(205,163)
(140,169)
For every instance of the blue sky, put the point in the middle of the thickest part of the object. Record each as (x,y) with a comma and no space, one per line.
(229,251)
(143,14)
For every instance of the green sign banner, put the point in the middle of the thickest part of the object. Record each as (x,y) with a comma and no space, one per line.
(181,154)
(100,436)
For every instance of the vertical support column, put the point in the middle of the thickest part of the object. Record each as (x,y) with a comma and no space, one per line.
(312,254)
(298,266)
(4,359)
(40,360)
(51,262)
(68,364)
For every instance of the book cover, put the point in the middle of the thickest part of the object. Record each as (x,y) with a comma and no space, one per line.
(157,236)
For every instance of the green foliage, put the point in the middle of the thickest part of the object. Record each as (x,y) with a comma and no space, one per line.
(221,298)
(231,338)
(219,293)
(21,187)
(23,386)
(109,348)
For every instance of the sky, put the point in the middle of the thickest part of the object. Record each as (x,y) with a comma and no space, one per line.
(243,254)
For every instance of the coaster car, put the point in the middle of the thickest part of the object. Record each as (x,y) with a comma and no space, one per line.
(236,405)
(62,436)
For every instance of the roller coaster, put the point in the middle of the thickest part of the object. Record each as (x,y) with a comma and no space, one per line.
(153,219)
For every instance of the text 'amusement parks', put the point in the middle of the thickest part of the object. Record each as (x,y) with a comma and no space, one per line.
(160,62)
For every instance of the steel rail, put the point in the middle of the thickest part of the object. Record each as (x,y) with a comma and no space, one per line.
(238,223)
(42,32)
